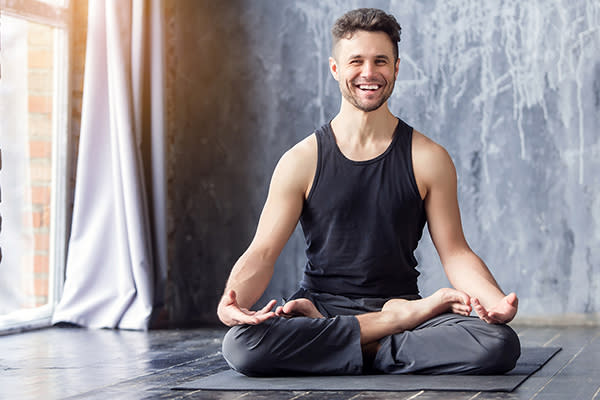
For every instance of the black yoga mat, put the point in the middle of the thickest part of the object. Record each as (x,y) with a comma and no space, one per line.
(532,359)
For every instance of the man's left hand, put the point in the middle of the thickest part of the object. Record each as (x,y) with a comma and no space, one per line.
(502,313)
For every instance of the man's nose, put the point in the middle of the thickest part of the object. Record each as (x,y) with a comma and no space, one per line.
(368,69)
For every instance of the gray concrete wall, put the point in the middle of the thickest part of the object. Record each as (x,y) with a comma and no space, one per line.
(510,88)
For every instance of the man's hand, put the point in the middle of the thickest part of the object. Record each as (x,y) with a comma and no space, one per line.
(298,308)
(502,313)
(230,312)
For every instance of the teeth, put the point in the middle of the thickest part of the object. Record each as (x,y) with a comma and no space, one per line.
(369,87)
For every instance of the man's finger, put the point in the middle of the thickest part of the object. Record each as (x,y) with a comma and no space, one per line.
(252,319)
(486,318)
(480,310)
(229,297)
(269,306)
(466,299)
(512,299)
(260,318)
(232,295)
(461,309)
(478,307)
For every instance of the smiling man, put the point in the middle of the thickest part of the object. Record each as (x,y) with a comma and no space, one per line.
(363,186)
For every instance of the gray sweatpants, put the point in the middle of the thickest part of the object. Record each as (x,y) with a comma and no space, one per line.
(446,344)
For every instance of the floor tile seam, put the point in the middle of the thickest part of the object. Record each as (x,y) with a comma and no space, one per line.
(552,339)
(595,396)
(535,383)
(527,333)
(559,371)
(302,394)
(190,394)
(584,342)
(591,342)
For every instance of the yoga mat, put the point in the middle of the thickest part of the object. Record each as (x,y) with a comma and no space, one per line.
(532,359)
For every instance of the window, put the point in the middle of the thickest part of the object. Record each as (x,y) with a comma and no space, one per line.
(34,105)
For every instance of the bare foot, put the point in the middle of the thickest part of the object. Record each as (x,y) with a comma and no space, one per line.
(408,314)
(298,308)
(453,300)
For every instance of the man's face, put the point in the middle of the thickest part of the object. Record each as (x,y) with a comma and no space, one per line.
(365,69)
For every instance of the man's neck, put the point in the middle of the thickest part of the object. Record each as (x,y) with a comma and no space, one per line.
(356,126)
(363,135)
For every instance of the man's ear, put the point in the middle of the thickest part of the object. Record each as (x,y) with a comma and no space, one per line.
(333,68)
(397,68)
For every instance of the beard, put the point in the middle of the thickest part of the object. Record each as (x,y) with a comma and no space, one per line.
(366,105)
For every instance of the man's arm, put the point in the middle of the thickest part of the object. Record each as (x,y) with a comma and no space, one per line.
(253,270)
(436,177)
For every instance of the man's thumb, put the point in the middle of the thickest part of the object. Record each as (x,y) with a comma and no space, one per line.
(512,299)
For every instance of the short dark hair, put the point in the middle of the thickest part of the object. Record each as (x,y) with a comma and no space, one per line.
(367,19)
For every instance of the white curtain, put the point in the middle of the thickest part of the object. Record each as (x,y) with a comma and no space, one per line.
(116,258)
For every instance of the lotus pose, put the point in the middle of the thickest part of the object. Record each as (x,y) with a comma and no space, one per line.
(363,186)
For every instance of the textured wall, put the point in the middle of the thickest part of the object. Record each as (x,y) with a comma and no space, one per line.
(511,89)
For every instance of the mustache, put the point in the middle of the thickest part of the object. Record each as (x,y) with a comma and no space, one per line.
(381,82)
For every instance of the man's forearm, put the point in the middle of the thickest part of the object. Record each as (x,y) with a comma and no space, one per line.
(249,278)
(469,274)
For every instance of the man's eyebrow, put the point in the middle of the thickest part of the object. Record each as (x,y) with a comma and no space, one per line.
(378,56)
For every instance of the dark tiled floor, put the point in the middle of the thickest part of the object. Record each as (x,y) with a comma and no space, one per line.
(76,363)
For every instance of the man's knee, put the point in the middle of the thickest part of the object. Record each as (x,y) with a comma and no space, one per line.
(242,349)
(499,351)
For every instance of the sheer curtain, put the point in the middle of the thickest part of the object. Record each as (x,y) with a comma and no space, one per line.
(116,258)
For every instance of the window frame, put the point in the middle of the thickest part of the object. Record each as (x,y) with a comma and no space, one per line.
(55,16)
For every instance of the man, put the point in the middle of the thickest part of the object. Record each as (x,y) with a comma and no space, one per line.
(363,187)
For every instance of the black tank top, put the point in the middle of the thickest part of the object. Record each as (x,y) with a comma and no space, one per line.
(363,220)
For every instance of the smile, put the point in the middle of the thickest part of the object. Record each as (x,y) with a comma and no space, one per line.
(369,87)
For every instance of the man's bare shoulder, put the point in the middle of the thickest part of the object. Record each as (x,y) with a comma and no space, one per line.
(299,163)
(304,150)
(426,147)
(427,152)
(302,155)
(431,162)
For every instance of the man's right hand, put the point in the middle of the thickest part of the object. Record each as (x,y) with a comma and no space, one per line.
(230,312)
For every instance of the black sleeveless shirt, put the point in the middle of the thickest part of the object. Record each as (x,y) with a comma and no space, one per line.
(362,221)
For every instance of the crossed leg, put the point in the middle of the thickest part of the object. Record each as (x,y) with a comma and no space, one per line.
(396,316)
(295,345)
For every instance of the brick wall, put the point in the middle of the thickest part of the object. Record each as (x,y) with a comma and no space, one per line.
(78,46)
(40,91)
